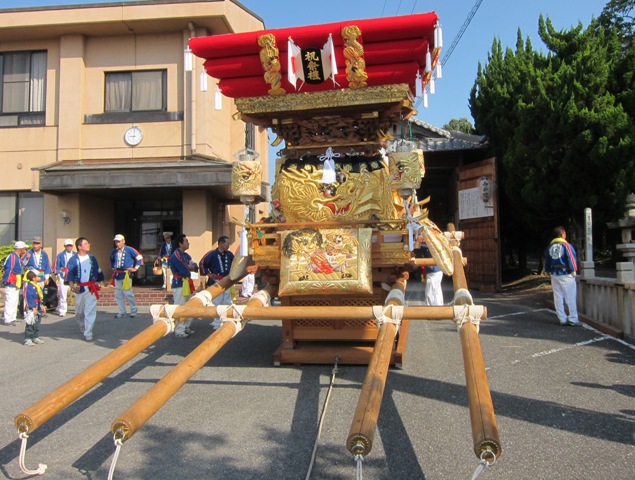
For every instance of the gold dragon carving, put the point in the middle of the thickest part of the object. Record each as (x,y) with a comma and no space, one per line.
(269,58)
(354,57)
(299,195)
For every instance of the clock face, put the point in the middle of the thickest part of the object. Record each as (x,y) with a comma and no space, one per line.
(133,136)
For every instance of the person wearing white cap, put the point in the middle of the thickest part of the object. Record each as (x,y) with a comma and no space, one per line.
(37,260)
(61,269)
(164,255)
(125,261)
(12,278)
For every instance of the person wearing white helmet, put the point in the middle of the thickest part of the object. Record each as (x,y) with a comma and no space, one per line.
(61,270)
(12,278)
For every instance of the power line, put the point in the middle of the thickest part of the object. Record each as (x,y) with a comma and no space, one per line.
(458,36)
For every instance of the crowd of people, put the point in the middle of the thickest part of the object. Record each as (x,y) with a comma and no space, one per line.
(77,273)
(29,270)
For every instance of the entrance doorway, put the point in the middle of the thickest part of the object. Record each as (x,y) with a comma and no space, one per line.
(143,222)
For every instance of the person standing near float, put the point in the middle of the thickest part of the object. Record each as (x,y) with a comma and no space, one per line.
(12,279)
(182,266)
(38,261)
(82,276)
(61,263)
(125,261)
(561,264)
(434,278)
(165,250)
(216,264)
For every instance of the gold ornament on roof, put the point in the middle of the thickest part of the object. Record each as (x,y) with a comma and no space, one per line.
(354,57)
(269,57)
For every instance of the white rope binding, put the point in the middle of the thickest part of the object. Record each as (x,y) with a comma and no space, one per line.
(238,321)
(396,294)
(460,294)
(41,466)
(165,314)
(379,313)
(205,297)
(468,314)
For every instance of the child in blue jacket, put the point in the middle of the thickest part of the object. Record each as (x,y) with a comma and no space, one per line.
(33,310)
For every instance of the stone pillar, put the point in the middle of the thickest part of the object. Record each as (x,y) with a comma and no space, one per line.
(587,269)
(625,272)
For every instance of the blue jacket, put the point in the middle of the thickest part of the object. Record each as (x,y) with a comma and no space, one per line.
(12,269)
(74,271)
(32,298)
(179,264)
(60,264)
(44,267)
(560,258)
(216,265)
(129,258)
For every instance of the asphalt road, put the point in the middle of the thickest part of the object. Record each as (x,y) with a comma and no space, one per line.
(564,398)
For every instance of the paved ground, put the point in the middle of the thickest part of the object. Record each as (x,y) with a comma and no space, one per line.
(564,397)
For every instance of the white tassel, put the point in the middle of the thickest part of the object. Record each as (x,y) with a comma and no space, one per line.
(328,169)
(418,85)
(218,99)
(439,70)
(328,174)
(438,36)
(203,81)
(433,88)
(428,61)
(425,99)
(187,59)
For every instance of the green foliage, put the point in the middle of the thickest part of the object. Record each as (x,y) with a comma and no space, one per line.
(620,15)
(562,123)
(460,125)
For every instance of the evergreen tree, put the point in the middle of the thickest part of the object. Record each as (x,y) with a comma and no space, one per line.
(562,124)
(460,125)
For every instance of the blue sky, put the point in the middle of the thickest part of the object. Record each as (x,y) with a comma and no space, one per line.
(494,18)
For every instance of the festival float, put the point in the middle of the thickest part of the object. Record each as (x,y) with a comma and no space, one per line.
(337,247)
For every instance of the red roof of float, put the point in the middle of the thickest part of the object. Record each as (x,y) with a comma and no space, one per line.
(395,50)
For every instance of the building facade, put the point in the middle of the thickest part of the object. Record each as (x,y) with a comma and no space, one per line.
(105,129)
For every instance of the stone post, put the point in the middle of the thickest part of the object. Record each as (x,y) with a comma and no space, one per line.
(625,272)
(587,269)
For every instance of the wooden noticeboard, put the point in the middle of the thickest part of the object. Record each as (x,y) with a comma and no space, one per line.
(479,221)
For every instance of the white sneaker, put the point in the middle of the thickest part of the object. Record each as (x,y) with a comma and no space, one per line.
(38,341)
(89,338)
(29,343)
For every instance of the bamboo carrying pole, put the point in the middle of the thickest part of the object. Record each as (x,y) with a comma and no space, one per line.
(63,396)
(362,432)
(42,411)
(485,435)
(140,412)
(318,313)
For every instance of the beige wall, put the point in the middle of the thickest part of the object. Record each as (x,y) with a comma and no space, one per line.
(84,43)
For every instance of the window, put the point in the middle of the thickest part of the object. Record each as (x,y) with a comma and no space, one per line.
(22,88)
(21,216)
(138,91)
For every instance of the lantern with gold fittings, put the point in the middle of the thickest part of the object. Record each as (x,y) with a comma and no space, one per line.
(246,176)
(246,184)
(405,166)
